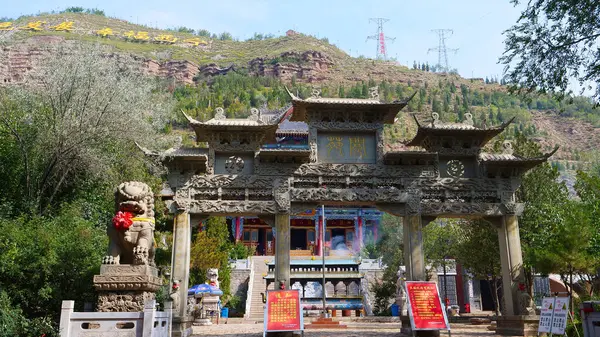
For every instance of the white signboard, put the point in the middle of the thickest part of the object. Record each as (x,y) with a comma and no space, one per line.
(546,315)
(561,312)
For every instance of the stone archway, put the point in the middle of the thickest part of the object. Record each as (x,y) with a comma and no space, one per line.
(443,172)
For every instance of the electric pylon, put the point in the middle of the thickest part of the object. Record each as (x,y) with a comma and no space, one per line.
(380,37)
(442,49)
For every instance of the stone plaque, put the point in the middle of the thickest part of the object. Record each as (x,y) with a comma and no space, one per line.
(346,148)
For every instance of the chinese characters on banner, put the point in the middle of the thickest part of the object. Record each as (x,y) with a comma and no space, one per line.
(561,312)
(546,315)
(425,306)
(337,147)
(283,311)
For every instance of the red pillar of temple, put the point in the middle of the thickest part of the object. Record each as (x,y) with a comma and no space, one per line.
(319,236)
(237,229)
(359,235)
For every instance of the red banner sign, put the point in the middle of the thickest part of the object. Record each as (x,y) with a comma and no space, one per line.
(425,306)
(283,311)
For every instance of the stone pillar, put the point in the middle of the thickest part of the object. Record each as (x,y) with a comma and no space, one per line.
(282,250)
(511,259)
(414,259)
(180,271)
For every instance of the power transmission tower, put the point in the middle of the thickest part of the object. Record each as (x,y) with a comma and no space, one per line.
(442,49)
(380,37)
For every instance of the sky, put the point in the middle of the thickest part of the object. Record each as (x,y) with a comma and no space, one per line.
(477,24)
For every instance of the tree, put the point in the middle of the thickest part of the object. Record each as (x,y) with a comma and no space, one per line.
(483,264)
(552,43)
(78,122)
(211,249)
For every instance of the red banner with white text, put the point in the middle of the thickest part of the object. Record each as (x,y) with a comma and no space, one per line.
(425,305)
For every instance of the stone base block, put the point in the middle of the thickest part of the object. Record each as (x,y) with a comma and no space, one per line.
(125,288)
(182,327)
(202,322)
(406,329)
(517,325)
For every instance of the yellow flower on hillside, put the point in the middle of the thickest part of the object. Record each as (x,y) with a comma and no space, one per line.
(105,32)
(6,26)
(195,41)
(142,36)
(35,26)
(166,38)
(66,26)
(129,35)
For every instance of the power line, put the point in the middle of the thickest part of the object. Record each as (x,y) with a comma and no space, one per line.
(442,50)
(380,37)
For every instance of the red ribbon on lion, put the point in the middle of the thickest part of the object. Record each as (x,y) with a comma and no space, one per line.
(122,220)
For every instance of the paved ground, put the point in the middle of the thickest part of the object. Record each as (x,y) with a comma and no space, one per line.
(353,330)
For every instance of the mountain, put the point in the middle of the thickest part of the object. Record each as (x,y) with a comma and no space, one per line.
(301,61)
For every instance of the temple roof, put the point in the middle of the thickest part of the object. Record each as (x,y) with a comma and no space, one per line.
(510,159)
(465,129)
(293,128)
(190,153)
(388,110)
(258,121)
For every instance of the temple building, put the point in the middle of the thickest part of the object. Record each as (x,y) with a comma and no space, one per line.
(346,230)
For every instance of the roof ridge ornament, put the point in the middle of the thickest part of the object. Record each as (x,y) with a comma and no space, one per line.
(436,119)
(220,114)
(254,115)
(507,147)
(315,93)
(374,93)
(468,119)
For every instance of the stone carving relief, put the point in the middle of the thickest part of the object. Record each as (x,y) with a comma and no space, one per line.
(234,164)
(131,235)
(232,207)
(281,193)
(348,195)
(345,126)
(455,168)
(123,301)
(481,209)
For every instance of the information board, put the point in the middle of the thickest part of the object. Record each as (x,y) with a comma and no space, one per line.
(560,314)
(425,306)
(545,324)
(283,311)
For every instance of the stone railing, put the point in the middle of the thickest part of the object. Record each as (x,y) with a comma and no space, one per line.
(149,323)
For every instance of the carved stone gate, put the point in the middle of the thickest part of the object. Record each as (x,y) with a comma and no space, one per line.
(443,173)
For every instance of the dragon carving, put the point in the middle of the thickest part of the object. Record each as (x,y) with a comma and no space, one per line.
(131,235)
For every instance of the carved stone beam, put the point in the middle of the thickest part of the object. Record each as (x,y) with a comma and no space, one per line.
(197,219)
(269,219)
(393,209)
(425,220)
(298,208)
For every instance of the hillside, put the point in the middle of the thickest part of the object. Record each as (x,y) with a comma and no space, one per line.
(299,61)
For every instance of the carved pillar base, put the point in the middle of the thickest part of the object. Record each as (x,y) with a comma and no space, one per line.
(125,288)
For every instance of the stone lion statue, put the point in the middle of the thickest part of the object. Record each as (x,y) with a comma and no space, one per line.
(131,235)
(212,277)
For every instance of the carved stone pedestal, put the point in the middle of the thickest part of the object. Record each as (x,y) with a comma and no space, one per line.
(520,325)
(125,288)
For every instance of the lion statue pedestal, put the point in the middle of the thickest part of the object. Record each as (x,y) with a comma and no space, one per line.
(128,277)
